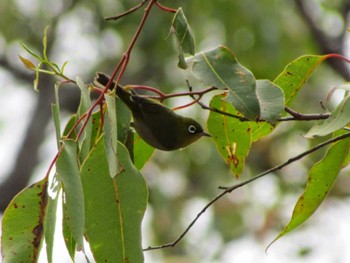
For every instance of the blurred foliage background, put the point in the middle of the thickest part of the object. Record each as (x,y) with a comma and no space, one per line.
(264,35)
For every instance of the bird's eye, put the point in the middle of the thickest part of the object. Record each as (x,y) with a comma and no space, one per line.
(192,129)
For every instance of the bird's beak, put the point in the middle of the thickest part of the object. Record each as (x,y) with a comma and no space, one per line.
(205,134)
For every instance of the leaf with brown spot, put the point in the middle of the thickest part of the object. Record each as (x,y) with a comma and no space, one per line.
(231,136)
(22,224)
(321,179)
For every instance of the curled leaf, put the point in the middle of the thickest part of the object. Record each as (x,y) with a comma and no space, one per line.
(338,119)
(184,37)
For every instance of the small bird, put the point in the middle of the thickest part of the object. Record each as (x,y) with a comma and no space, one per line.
(157,125)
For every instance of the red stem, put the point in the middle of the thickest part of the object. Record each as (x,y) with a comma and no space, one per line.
(161,94)
(127,12)
(337,56)
(166,9)
(121,67)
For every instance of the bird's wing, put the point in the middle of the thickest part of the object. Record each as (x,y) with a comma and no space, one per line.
(151,106)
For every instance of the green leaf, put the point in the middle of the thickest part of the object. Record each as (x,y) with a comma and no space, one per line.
(142,152)
(271,99)
(114,207)
(30,51)
(69,126)
(260,130)
(111,135)
(55,108)
(85,101)
(182,61)
(45,43)
(50,219)
(295,75)
(22,224)
(63,66)
(291,80)
(320,181)
(123,120)
(184,37)
(96,129)
(67,170)
(67,233)
(338,120)
(84,106)
(220,68)
(232,137)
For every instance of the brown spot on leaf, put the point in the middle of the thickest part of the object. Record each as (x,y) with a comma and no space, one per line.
(38,232)
(232,157)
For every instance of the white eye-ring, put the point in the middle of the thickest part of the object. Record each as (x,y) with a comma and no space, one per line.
(192,129)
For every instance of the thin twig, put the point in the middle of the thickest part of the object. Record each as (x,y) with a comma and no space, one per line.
(126,12)
(121,67)
(307,117)
(166,9)
(295,115)
(229,189)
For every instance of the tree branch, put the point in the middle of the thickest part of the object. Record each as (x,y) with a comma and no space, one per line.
(327,45)
(230,189)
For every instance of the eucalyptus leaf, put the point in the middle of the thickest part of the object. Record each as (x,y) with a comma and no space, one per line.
(295,75)
(338,119)
(271,99)
(114,207)
(55,108)
(320,181)
(68,173)
(84,106)
(123,120)
(111,135)
(66,231)
(142,152)
(232,137)
(219,67)
(183,36)
(22,224)
(50,219)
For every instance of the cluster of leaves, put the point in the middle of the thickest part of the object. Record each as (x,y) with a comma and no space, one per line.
(98,161)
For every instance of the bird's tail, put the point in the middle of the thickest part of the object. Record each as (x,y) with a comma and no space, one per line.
(124,95)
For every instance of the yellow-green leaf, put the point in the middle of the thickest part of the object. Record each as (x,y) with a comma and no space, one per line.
(27,63)
(231,136)
(320,181)
(296,73)
(22,225)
